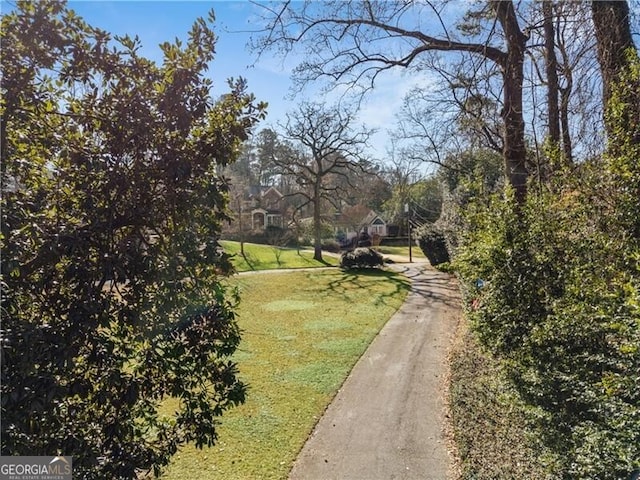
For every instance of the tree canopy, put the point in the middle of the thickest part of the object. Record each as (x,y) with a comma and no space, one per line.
(352,42)
(111,210)
(331,150)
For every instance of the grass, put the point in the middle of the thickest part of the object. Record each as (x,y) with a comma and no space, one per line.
(303,332)
(267,257)
(416,253)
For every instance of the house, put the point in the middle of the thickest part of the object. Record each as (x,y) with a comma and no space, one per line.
(268,209)
(375,225)
(357,220)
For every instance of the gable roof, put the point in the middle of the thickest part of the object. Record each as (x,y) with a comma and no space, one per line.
(272,190)
(260,191)
(373,218)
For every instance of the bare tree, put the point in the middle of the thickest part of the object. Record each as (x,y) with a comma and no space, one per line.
(352,42)
(403,172)
(237,192)
(330,149)
(562,40)
(551,64)
(462,111)
(354,217)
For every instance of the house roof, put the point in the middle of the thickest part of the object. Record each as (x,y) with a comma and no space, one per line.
(260,191)
(372,217)
(271,190)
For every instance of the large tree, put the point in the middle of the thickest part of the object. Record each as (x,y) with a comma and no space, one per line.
(331,152)
(551,69)
(111,210)
(614,41)
(460,108)
(268,148)
(353,42)
(620,65)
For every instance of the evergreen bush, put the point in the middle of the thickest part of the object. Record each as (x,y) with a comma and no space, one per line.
(330,245)
(114,296)
(361,258)
(552,295)
(432,242)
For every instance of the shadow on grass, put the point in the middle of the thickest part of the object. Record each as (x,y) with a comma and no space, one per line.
(346,284)
(312,261)
(255,263)
(435,287)
(252,262)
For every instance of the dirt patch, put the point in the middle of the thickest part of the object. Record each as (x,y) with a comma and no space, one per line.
(489,431)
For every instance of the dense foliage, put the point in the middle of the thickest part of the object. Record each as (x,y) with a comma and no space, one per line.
(111,210)
(361,258)
(488,418)
(554,292)
(433,244)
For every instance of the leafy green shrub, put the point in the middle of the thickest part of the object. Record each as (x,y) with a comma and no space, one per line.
(433,244)
(446,267)
(553,291)
(488,418)
(113,297)
(560,308)
(330,245)
(361,258)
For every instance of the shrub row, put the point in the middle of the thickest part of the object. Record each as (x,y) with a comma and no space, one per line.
(553,293)
(553,290)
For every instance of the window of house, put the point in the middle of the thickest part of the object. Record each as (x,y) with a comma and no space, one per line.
(274,220)
(377,228)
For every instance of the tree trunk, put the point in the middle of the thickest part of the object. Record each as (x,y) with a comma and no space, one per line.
(565,93)
(317,224)
(567,147)
(240,227)
(613,38)
(514,152)
(551,66)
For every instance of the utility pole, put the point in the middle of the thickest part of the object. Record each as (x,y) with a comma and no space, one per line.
(406,210)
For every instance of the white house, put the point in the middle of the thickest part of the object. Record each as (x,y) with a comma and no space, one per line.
(371,223)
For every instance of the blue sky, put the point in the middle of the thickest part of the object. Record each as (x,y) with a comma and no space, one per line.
(157,21)
(269,79)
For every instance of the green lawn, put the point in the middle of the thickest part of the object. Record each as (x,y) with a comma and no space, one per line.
(266,257)
(303,332)
(416,253)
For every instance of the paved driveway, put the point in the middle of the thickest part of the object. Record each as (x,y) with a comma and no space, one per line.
(386,422)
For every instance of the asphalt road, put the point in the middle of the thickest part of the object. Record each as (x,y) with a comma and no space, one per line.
(386,422)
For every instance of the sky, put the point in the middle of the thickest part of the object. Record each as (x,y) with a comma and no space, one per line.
(269,78)
(155,22)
